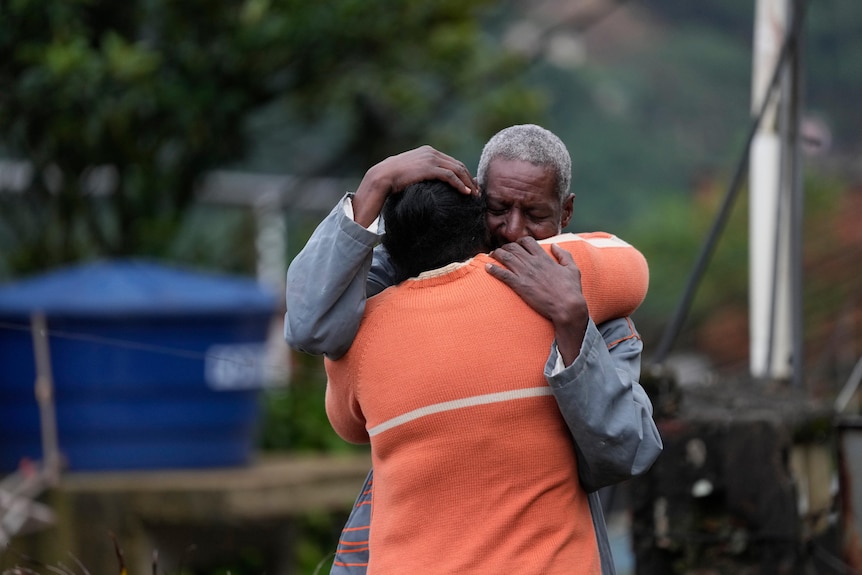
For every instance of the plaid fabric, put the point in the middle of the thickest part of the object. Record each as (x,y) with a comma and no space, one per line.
(351,557)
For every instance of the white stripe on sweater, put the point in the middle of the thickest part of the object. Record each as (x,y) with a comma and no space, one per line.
(610,242)
(459,404)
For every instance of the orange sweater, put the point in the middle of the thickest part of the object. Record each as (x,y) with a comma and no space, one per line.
(474,467)
(614,275)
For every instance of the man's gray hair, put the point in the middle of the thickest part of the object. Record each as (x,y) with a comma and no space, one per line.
(529,143)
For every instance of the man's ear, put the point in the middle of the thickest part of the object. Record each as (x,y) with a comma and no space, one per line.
(567,210)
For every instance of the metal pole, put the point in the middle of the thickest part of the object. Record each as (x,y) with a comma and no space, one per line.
(44,389)
(768,218)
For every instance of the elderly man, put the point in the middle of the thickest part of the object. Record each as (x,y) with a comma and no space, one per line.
(525,171)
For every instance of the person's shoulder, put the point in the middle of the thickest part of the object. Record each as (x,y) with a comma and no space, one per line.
(381,298)
(594,239)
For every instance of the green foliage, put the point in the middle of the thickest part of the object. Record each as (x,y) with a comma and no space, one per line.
(649,125)
(295,417)
(319,535)
(157,92)
(672,235)
(832,75)
(211,237)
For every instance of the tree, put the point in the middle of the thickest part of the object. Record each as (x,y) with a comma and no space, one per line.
(120,107)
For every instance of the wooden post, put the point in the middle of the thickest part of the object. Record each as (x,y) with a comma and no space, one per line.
(45,399)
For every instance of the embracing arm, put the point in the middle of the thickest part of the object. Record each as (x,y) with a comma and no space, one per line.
(326,281)
(605,408)
(593,371)
(575,278)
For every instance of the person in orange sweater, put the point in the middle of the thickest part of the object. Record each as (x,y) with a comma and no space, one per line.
(475,469)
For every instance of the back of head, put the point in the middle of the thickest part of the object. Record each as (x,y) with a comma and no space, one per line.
(529,143)
(429,225)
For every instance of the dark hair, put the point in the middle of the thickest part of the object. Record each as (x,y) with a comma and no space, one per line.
(431,224)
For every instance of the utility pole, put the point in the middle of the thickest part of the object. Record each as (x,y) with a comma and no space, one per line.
(775,205)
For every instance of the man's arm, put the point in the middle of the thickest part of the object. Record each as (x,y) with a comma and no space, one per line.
(607,411)
(326,281)
(593,372)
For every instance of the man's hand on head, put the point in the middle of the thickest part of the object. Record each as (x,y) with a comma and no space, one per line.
(397,172)
(549,285)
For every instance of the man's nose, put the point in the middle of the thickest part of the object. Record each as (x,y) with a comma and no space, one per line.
(514,228)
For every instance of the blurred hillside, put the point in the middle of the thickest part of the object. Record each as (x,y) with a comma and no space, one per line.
(652,98)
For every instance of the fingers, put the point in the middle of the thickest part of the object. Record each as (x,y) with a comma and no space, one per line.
(532,247)
(522,249)
(529,244)
(514,257)
(508,254)
(520,246)
(563,257)
(395,173)
(527,254)
(426,163)
(456,174)
(501,274)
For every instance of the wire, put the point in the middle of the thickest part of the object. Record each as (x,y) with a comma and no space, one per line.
(145,347)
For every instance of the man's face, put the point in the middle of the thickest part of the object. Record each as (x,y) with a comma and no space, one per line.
(523,201)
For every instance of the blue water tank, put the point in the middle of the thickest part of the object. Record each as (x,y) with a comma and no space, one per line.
(154,367)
